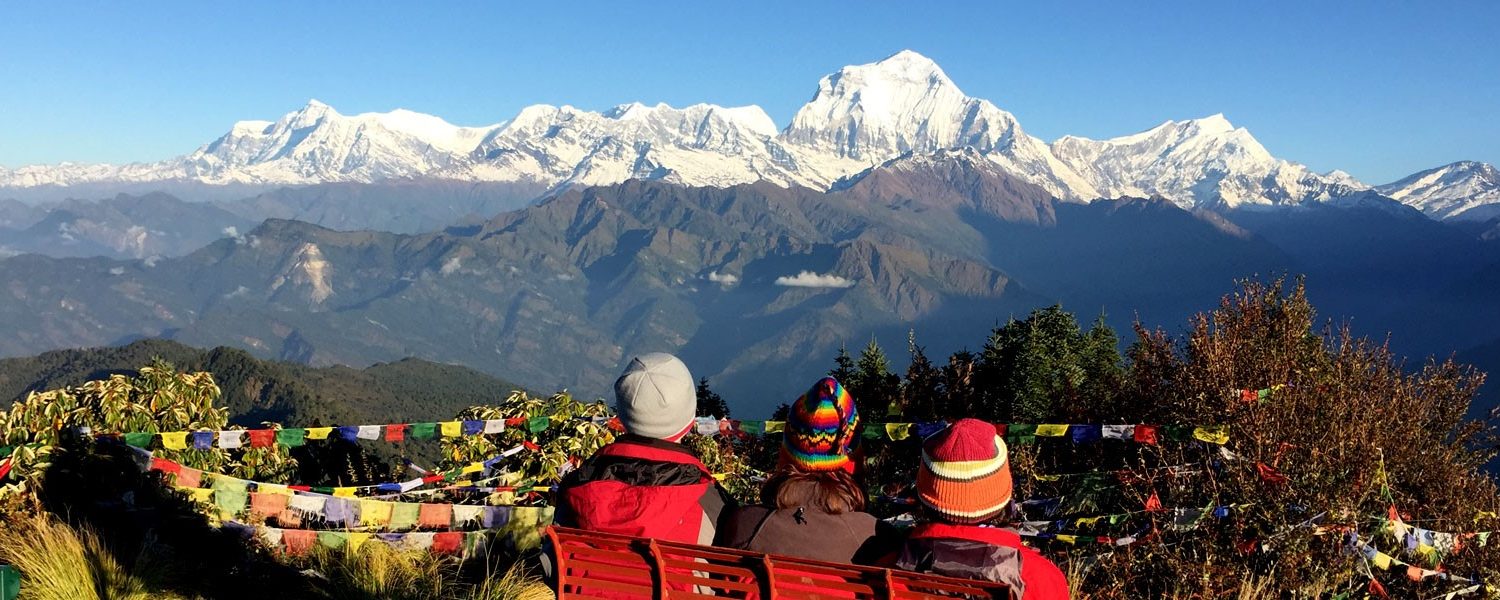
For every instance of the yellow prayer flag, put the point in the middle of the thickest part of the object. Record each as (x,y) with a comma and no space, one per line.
(273,488)
(318,433)
(1067,539)
(721,476)
(1039,477)
(1212,435)
(174,440)
(1382,561)
(472,468)
(1087,522)
(357,539)
(375,513)
(343,492)
(201,494)
(898,431)
(1051,430)
(775,426)
(451,428)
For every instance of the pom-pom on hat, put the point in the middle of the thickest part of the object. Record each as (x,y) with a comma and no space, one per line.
(822,428)
(655,396)
(965,473)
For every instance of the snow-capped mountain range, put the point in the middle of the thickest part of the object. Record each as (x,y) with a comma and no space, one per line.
(860,117)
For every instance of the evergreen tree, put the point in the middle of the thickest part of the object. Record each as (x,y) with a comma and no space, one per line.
(875,389)
(843,369)
(959,391)
(710,404)
(1099,357)
(1031,370)
(922,393)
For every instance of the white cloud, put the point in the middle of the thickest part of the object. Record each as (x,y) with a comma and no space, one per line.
(725,279)
(451,265)
(809,279)
(231,231)
(151,261)
(239,291)
(117,271)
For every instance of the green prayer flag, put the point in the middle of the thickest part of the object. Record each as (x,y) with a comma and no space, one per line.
(874,431)
(753,427)
(10,582)
(537,424)
(229,484)
(1179,433)
(1020,433)
(1263,395)
(231,502)
(422,431)
(6,450)
(404,515)
(291,438)
(332,539)
(139,439)
(322,490)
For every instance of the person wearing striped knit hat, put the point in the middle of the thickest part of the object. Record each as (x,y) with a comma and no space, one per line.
(964,485)
(813,505)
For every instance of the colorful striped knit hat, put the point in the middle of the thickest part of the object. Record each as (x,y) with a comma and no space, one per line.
(822,428)
(965,474)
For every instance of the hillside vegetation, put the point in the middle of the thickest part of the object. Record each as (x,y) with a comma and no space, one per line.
(256,390)
(1292,460)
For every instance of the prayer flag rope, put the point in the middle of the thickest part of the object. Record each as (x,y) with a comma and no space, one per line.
(1015,433)
(237,497)
(1426,543)
(297,542)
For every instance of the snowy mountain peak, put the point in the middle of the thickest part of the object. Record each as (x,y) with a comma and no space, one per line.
(903,103)
(860,116)
(1465,190)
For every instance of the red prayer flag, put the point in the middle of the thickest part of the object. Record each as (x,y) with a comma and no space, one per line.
(529,445)
(437,516)
(1249,396)
(447,542)
(1414,572)
(395,433)
(1001,429)
(433,478)
(5,468)
(515,421)
(300,488)
(1269,473)
(164,465)
(1153,504)
(267,505)
(1145,434)
(298,541)
(262,438)
(615,425)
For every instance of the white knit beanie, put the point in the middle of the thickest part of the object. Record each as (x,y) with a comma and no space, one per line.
(655,397)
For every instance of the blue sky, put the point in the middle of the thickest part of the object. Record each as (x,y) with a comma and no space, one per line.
(1377,89)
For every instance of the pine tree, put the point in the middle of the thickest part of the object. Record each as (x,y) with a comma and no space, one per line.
(843,369)
(710,404)
(959,391)
(875,388)
(922,393)
(1104,375)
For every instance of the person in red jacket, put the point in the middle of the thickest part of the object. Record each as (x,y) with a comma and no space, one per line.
(964,485)
(645,483)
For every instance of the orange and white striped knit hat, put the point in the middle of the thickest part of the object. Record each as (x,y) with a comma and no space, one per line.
(965,473)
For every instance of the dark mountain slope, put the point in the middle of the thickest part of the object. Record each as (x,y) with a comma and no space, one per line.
(257,390)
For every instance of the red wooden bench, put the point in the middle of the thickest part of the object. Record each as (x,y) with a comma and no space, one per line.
(600,565)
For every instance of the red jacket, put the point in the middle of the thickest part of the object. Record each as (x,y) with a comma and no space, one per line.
(644,487)
(988,553)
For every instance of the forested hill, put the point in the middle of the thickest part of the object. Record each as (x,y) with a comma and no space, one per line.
(258,390)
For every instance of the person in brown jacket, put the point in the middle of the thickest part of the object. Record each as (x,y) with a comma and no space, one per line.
(812,505)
